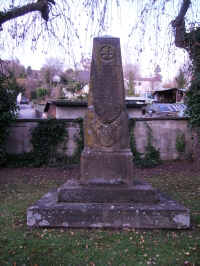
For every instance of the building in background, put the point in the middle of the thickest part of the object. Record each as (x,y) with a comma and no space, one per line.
(146,86)
(169,95)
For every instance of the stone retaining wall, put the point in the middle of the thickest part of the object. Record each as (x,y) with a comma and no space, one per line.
(164,137)
(164,132)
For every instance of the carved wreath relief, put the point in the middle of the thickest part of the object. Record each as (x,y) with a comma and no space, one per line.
(108,134)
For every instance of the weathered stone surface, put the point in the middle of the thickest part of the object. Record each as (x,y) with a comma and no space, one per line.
(112,193)
(106,80)
(108,166)
(166,213)
(106,137)
(106,152)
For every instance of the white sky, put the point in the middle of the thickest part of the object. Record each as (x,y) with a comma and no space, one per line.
(155,46)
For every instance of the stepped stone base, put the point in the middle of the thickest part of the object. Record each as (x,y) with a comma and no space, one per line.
(138,193)
(75,206)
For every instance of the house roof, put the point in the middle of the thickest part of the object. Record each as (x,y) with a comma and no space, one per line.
(164,89)
(168,89)
(64,102)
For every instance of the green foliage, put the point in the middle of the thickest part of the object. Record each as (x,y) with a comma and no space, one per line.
(151,157)
(21,160)
(9,90)
(75,86)
(45,139)
(180,143)
(136,154)
(41,93)
(193,95)
(193,102)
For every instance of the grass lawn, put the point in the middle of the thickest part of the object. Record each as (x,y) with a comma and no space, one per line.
(20,245)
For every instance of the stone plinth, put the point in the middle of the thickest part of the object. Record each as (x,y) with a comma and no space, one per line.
(83,211)
(106,154)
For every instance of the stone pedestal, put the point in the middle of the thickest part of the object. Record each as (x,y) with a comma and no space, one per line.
(106,167)
(107,194)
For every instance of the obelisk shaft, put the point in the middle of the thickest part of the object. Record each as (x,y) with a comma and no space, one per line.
(106,157)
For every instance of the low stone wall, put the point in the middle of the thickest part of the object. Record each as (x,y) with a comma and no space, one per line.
(164,132)
(20,136)
(19,140)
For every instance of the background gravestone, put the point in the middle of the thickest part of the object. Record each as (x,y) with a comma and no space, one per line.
(106,157)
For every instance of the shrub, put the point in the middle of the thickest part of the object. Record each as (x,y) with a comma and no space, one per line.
(45,138)
(9,89)
(41,93)
(151,157)
(180,143)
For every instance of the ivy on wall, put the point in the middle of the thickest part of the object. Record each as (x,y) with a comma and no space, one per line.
(136,154)
(45,138)
(180,143)
(49,134)
(192,99)
(193,102)
(151,157)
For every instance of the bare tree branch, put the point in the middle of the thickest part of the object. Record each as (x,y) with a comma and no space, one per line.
(180,18)
(41,5)
(179,25)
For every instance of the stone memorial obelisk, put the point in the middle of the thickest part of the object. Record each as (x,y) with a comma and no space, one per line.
(106,157)
(107,194)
